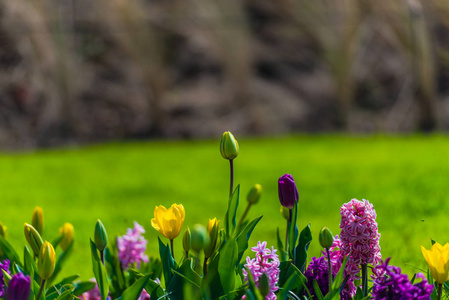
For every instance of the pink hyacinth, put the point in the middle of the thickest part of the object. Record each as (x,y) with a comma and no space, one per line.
(266,261)
(132,246)
(359,235)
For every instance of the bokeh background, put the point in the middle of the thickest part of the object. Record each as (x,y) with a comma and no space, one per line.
(349,96)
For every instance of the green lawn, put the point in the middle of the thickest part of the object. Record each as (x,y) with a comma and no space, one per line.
(406,178)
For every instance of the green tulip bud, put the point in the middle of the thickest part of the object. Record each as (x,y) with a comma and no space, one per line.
(38,219)
(3,231)
(198,237)
(254,194)
(264,285)
(186,240)
(46,261)
(285,212)
(229,148)
(68,235)
(33,238)
(326,238)
(100,236)
(211,242)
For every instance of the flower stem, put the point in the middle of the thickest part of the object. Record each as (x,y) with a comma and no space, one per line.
(440,291)
(102,256)
(244,215)
(171,246)
(41,289)
(365,279)
(204,267)
(329,268)
(196,260)
(187,254)
(288,227)
(231,185)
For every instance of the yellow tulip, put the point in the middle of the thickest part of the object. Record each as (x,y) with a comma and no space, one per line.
(46,261)
(168,221)
(67,231)
(38,219)
(438,259)
(211,224)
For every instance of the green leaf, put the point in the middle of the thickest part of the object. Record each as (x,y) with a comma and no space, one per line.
(230,218)
(296,279)
(55,292)
(82,287)
(226,263)
(282,253)
(9,252)
(134,291)
(99,271)
(168,263)
(337,286)
(152,287)
(252,292)
(57,240)
(185,283)
(318,293)
(293,234)
(243,237)
(114,267)
(305,238)
(287,269)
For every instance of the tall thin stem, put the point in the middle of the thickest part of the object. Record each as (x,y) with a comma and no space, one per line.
(440,290)
(288,227)
(244,215)
(196,260)
(365,279)
(204,267)
(172,252)
(231,185)
(41,289)
(102,256)
(329,268)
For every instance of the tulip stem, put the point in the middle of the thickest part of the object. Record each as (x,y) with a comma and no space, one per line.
(196,260)
(440,291)
(41,289)
(329,268)
(205,267)
(244,215)
(171,246)
(102,256)
(187,254)
(365,279)
(231,185)
(288,227)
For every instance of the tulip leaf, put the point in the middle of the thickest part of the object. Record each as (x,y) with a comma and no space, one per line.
(338,284)
(230,218)
(152,287)
(293,233)
(9,252)
(99,271)
(296,279)
(282,253)
(226,263)
(318,293)
(168,263)
(287,269)
(82,287)
(134,291)
(28,263)
(57,291)
(118,280)
(252,292)
(305,238)
(243,237)
(185,283)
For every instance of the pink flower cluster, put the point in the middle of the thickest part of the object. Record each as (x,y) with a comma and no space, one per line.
(266,261)
(94,294)
(359,235)
(132,246)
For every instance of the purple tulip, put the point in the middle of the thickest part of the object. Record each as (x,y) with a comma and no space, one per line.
(19,287)
(288,193)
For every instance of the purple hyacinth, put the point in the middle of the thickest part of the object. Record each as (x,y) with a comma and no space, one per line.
(317,270)
(359,235)
(390,284)
(266,261)
(19,287)
(4,265)
(288,193)
(132,246)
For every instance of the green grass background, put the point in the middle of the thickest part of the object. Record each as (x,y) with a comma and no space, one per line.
(406,178)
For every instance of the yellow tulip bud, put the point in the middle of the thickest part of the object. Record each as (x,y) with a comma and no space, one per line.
(101,236)
(211,241)
(67,231)
(33,238)
(186,240)
(254,194)
(3,231)
(229,148)
(46,261)
(438,260)
(326,238)
(285,212)
(38,219)
(169,221)
(198,237)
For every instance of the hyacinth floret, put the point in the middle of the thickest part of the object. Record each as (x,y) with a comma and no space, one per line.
(391,284)
(132,246)
(266,261)
(359,235)
(4,265)
(317,270)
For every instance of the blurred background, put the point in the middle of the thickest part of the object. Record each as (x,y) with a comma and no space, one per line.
(79,71)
